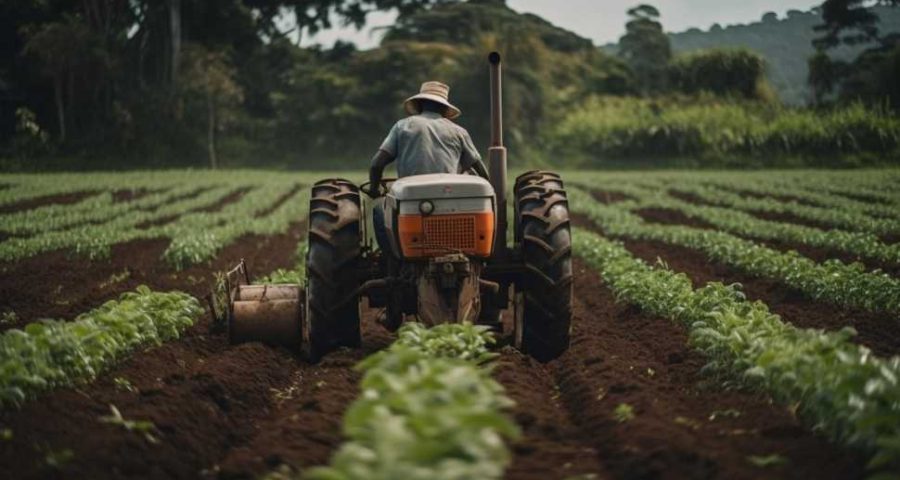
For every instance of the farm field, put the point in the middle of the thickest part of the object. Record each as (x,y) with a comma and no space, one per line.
(726,325)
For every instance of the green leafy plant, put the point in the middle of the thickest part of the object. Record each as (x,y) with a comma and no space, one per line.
(764,461)
(8,318)
(831,281)
(623,413)
(123,384)
(56,459)
(143,427)
(838,387)
(428,410)
(51,353)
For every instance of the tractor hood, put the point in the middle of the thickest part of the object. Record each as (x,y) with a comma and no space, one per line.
(441,185)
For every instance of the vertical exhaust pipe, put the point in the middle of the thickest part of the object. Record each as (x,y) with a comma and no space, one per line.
(497,155)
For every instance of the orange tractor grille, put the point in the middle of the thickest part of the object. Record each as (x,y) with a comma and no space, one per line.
(426,236)
(450,231)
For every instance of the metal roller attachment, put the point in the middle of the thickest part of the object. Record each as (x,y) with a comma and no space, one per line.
(271,314)
(267,292)
(273,322)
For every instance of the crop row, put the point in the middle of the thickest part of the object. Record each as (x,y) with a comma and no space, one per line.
(877,185)
(734,221)
(94,240)
(196,233)
(95,209)
(838,387)
(51,353)
(812,195)
(198,237)
(25,187)
(294,275)
(428,409)
(832,281)
(827,216)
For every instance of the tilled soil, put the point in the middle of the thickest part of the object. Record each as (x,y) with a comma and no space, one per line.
(32,203)
(783,217)
(60,285)
(683,426)
(202,394)
(674,217)
(879,332)
(239,411)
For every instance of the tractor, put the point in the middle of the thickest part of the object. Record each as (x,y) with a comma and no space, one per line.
(449,260)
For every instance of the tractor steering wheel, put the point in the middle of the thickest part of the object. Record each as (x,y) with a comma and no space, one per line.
(380,191)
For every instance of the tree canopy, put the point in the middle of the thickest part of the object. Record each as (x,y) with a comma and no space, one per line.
(645,47)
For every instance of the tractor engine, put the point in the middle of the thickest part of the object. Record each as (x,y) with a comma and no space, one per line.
(441,229)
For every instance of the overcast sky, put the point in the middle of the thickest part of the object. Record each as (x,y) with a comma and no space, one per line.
(604,20)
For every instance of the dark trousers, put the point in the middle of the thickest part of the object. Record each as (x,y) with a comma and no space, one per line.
(378,225)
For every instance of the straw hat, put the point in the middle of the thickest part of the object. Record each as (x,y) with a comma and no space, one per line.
(436,92)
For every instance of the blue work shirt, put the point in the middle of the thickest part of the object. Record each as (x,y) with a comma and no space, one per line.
(429,143)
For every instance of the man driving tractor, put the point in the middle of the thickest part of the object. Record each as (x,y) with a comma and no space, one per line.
(427,141)
(445,253)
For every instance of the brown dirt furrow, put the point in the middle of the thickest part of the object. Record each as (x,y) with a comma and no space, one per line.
(281,200)
(59,285)
(232,197)
(304,428)
(120,196)
(606,197)
(861,197)
(780,198)
(32,203)
(684,425)
(552,446)
(176,198)
(879,332)
(777,217)
(674,217)
(204,395)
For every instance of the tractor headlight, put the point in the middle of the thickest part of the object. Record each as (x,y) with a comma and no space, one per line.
(426,207)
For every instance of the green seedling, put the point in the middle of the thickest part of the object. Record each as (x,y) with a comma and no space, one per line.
(56,459)
(8,318)
(623,413)
(729,413)
(123,384)
(144,427)
(766,461)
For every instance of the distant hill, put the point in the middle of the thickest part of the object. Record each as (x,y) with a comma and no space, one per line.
(786,43)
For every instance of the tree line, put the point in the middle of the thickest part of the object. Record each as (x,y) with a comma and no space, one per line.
(128,83)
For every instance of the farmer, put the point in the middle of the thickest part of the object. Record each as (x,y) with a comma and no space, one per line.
(425,142)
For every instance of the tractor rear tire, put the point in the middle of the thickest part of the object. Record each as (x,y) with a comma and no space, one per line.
(332,262)
(544,293)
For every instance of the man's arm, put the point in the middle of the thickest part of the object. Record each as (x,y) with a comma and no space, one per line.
(383,157)
(480,169)
(470,157)
(379,161)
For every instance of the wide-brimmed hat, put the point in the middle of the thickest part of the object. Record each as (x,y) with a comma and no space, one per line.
(436,92)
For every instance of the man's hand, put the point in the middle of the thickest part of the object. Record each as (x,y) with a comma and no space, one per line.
(379,161)
(372,190)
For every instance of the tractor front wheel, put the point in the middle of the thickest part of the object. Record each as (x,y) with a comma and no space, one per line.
(544,293)
(332,316)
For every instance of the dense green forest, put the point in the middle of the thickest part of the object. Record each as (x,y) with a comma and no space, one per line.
(786,44)
(124,84)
